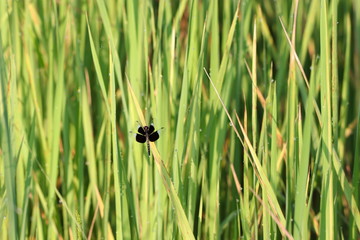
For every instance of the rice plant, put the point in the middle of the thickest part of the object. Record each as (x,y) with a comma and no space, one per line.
(259,102)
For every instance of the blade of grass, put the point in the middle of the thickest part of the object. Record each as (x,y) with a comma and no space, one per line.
(118,172)
(105,18)
(182,221)
(7,146)
(346,187)
(344,104)
(327,227)
(57,113)
(354,200)
(262,177)
(301,216)
(217,119)
(63,201)
(254,116)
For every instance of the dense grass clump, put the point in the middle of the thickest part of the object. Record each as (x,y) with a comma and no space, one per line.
(259,100)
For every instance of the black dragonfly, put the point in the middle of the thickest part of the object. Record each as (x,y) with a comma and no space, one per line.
(146,134)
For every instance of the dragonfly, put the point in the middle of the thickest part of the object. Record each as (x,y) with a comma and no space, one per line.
(146,134)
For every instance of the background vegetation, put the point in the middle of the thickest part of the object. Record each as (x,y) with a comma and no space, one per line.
(259,101)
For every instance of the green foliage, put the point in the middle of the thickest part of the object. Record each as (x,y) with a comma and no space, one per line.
(259,101)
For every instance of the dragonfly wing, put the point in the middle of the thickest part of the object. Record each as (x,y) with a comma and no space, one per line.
(140,138)
(154,136)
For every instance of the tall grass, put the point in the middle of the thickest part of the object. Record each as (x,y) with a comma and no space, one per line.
(260,104)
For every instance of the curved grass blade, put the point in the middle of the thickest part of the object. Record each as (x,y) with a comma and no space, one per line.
(182,221)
